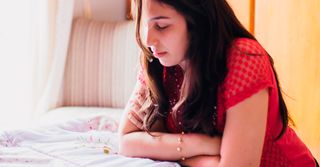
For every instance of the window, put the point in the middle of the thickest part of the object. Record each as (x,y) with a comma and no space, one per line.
(15,63)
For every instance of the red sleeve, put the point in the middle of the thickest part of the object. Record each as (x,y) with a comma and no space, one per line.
(249,70)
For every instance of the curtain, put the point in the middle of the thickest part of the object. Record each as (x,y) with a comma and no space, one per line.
(51,55)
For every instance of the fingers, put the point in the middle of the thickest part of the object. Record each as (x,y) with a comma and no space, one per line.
(135,120)
(135,105)
(136,108)
(141,97)
(135,114)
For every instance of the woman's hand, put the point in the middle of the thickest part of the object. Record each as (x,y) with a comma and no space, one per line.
(135,114)
(132,138)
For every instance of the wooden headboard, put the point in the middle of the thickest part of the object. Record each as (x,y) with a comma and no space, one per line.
(129,14)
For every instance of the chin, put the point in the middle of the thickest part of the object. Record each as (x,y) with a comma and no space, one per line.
(167,64)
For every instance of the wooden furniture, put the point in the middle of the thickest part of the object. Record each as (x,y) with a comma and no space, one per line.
(290,32)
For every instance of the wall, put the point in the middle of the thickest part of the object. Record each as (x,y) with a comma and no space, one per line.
(110,10)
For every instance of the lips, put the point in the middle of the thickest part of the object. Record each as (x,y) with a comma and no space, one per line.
(159,54)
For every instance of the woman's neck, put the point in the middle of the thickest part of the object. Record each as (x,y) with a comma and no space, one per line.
(184,65)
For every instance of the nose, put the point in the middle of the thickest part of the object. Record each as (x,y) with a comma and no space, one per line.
(152,39)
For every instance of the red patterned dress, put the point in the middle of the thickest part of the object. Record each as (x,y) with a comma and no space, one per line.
(249,72)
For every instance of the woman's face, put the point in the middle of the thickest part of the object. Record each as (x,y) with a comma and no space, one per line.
(165,32)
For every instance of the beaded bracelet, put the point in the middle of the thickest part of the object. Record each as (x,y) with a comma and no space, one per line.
(179,148)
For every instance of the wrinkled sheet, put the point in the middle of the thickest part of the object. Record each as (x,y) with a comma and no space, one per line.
(91,142)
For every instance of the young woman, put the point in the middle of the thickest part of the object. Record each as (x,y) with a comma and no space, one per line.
(207,93)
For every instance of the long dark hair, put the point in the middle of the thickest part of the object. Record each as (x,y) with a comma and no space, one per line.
(212,26)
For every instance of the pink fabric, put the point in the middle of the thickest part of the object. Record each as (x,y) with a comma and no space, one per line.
(249,72)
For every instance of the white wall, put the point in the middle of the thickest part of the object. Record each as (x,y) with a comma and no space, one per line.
(110,10)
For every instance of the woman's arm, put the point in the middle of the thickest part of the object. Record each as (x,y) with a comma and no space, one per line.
(201,161)
(243,136)
(244,132)
(137,143)
(163,146)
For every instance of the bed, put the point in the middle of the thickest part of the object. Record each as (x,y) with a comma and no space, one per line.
(86,137)
(100,74)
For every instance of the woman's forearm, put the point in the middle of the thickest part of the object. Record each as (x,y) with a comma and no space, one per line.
(202,161)
(166,146)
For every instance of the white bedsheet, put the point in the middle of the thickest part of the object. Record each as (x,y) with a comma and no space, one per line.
(74,143)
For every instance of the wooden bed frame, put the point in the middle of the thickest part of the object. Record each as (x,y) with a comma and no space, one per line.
(128,10)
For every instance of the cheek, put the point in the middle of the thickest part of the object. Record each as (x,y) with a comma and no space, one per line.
(182,38)
(182,46)
(185,44)
(176,42)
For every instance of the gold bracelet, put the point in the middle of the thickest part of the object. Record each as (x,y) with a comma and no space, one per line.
(179,148)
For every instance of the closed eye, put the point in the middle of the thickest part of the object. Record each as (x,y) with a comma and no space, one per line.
(160,27)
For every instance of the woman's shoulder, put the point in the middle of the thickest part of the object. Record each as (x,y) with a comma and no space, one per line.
(247,46)
(249,71)
(248,55)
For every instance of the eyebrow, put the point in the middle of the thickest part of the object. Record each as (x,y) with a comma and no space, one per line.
(158,18)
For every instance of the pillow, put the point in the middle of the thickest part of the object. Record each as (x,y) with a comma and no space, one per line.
(102,62)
